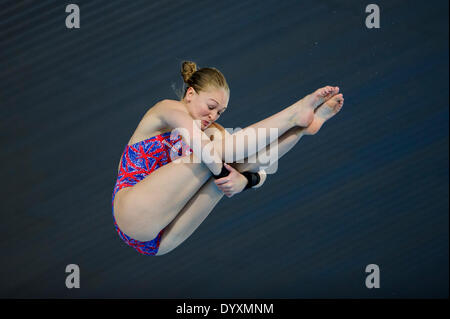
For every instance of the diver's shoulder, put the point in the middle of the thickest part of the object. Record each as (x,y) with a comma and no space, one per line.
(169,104)
(163,107)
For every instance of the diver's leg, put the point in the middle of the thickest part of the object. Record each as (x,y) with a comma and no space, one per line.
(268,156)
(203,202)
(247,142)
(190,217)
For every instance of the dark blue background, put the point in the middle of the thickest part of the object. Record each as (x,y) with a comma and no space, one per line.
(371,187)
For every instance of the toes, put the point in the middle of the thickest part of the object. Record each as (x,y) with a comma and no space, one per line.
(338,101)
(326,91)
(332,90)
(340,105)
(323,92)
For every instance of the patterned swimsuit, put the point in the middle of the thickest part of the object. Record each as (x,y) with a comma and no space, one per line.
(138,161)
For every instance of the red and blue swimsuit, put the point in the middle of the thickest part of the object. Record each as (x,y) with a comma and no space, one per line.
(138,161)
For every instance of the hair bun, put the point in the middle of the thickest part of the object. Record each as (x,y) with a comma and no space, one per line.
(187,69)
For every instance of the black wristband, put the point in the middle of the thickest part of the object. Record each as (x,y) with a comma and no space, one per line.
(224,172)
(252,178)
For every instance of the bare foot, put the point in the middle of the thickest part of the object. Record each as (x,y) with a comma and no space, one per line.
(307,105)
(325,112)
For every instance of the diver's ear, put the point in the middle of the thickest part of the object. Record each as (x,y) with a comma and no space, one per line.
(190,93)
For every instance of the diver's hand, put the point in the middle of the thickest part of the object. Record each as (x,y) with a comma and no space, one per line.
(232,184)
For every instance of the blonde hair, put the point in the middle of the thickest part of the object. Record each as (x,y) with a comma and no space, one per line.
(201,79)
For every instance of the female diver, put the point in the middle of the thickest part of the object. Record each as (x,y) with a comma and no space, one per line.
(168,183)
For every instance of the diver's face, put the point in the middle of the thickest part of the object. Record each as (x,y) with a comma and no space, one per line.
(207,105)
